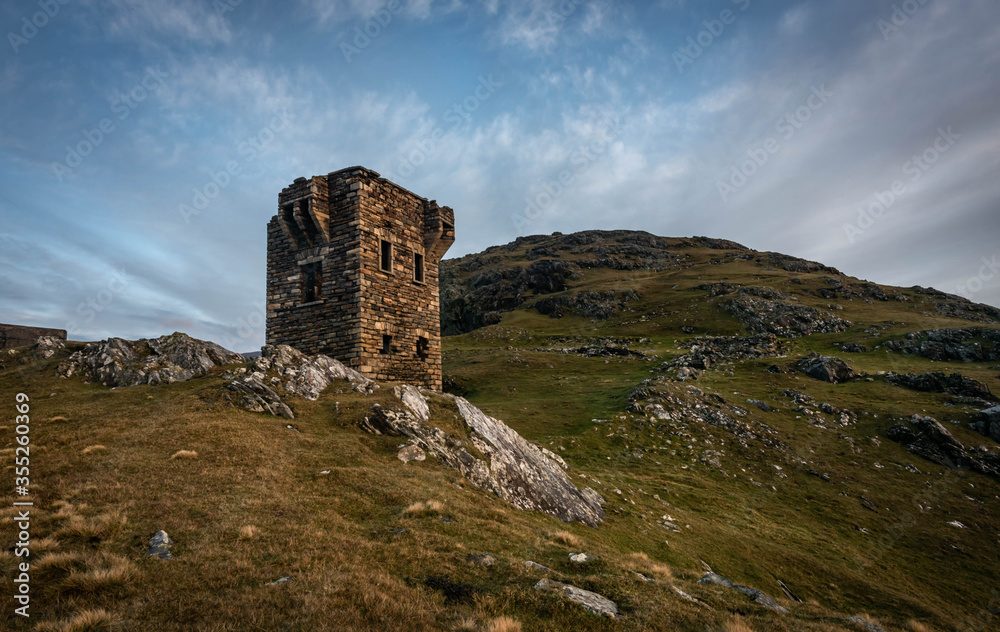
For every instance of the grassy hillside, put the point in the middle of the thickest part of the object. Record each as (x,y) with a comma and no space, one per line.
(847,520)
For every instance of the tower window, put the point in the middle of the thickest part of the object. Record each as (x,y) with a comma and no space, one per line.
(312,282)
(418,267)
(423,348)
(385,255)
(386,345)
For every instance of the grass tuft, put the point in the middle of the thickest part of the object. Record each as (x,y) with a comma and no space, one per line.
(567,538)
(184,454)
(93,448)
(421,508)
(248,532)
(915,626)
(117,574)
(86,621)
(737,625)
(504,624)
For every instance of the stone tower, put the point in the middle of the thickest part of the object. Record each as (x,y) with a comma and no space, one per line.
(352,272)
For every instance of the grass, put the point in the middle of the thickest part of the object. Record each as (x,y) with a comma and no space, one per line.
(376,545)
(86,621)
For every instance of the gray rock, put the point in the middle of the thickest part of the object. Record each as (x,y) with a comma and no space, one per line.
(581,558)
(159,546)
(826,368)
(280,581)
(538,567)
(939,382)
(410,453)
(782,318)
(493,457)
(175,358)
(595,603)
(864,624)
(927,438)
(293,373)
(48,346)
(481,559)
(758,597)
(988,423)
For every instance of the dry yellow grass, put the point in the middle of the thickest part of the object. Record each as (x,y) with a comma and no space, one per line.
(116,574)
(737,625)
(467,623)
(41,545)
(86,621)
(93,448)
(567,538)
(63,562)
(91,529)
(58,419)
(504,624)
(915,626)
(641,563)
(422,507)
(184,454)
(249,531)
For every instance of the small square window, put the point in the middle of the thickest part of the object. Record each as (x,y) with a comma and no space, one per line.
(386,345)
(418,267)
(385,256)
(423,348)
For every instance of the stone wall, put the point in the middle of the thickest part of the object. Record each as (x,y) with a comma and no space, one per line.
(383,323)
(18,336)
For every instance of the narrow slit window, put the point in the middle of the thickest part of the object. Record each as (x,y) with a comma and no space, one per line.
(418,267)
(385,256)
(423,348)
(312,282)
(386,345)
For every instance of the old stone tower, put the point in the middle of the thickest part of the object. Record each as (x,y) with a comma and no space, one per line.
(352,272)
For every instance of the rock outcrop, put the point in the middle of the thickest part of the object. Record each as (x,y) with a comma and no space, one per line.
(709,352)
(174,358)
(782,318)
(281,371)
(927,438)
(988,423)
(758,597)
(826,368)
(939,382)
(492,456)
(942,345)
(594,602)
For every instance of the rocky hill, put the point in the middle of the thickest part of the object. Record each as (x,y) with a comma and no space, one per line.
(696,436)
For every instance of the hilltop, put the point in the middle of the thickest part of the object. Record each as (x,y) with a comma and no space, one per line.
(774,445)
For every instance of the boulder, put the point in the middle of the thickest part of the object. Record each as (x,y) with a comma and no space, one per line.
(48,346)
(492,456)
(159,546)
(598,604)
(758,597)
(281,371)
(865,624)
(174,358)
(411,453)
(939,382)
(988,423)
(927,438)
(826,368)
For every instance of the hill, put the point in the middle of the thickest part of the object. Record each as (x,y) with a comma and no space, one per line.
(814,440)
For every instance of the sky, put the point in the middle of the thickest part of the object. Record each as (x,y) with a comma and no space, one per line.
(143,143)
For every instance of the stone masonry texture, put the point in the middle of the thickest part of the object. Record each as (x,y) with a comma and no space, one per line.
(352,273)
(17,336)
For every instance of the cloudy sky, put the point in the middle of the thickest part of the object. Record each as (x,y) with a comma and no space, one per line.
(143,142)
